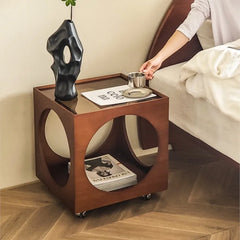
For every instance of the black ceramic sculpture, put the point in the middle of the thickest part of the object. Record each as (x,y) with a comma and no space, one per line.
(65,73)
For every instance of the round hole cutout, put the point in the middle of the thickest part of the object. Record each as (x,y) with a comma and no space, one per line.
(66,54)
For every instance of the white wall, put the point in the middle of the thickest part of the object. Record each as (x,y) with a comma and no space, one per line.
(115,34)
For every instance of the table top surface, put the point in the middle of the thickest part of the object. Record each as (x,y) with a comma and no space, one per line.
(81,105)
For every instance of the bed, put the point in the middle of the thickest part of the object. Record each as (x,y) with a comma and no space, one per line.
(193,121)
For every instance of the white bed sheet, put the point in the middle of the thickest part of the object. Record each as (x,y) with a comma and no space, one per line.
(196,116)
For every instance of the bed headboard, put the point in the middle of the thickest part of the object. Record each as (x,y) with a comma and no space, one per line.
(174,16)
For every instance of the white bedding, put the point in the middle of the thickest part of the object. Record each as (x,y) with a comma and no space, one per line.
(197,116)
(214,75)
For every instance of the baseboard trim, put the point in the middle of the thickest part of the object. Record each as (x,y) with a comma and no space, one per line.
(20,185)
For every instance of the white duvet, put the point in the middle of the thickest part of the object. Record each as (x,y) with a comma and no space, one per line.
(214,74)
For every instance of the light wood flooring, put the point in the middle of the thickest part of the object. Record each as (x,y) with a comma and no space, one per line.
(202,202)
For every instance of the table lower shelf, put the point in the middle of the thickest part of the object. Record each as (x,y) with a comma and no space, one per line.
(60,171)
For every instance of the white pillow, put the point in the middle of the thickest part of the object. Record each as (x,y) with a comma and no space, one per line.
(205,35)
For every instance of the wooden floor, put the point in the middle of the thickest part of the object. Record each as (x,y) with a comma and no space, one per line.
(202,202)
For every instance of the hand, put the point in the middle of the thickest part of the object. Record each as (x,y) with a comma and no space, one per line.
(151,66)
(175,42)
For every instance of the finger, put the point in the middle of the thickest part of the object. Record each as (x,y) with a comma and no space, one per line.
(143,67)
(148,67)
(148,76)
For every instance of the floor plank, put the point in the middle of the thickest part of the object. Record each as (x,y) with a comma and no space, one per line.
(186,223)
(128,230)
(39,223)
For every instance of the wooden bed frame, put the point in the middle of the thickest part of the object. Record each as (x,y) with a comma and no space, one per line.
(178,138)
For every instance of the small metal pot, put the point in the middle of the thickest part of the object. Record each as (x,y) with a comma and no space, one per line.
(136,80)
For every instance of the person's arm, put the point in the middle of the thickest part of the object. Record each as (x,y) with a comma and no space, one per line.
(200,10)
(175,42)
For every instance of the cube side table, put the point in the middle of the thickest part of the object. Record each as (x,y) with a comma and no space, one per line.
(81,120)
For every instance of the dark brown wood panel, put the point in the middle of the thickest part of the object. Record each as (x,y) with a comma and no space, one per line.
(80,124)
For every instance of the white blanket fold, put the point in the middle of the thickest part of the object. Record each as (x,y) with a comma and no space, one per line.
(214,74)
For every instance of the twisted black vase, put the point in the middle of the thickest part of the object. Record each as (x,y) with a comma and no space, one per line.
(65,73)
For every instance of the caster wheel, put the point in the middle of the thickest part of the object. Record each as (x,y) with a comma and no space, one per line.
(147,196)
(82,214)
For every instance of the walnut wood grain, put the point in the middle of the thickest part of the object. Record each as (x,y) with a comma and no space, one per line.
(80,124)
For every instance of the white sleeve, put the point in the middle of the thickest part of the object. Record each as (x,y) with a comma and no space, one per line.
(200,11)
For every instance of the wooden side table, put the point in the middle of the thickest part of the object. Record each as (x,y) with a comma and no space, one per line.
(81,119)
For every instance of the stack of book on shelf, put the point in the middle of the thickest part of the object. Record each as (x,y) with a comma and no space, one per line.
(107,173)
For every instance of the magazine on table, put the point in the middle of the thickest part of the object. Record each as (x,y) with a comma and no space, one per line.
(108,174)
(111,96)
